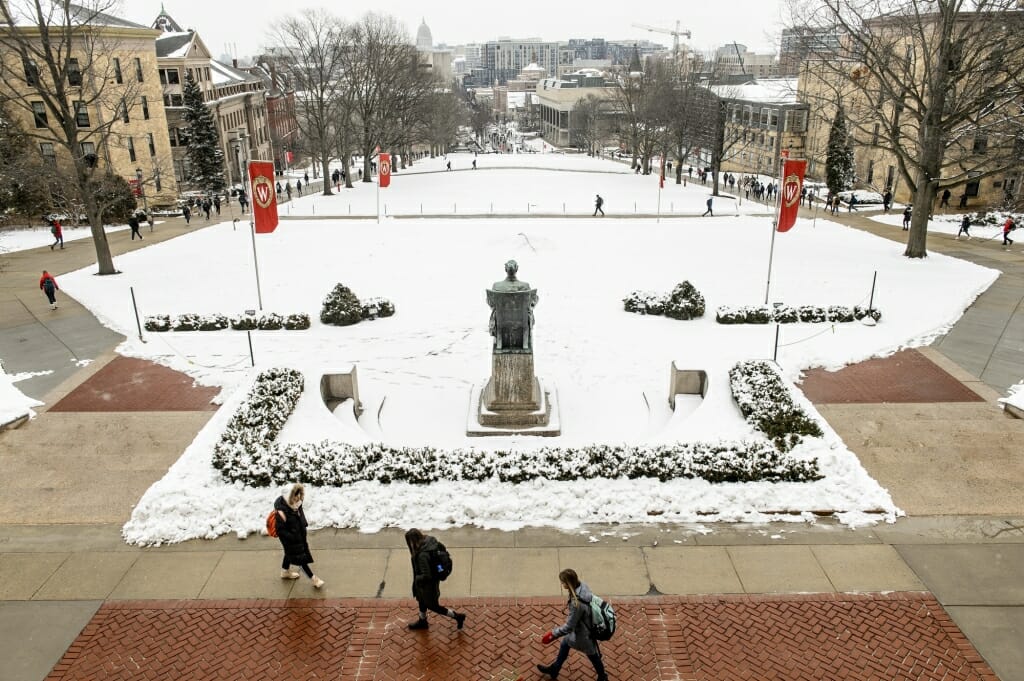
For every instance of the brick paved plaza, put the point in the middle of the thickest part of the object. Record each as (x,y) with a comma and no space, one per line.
(836,636)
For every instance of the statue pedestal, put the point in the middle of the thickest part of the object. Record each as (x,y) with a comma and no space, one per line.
(543,421)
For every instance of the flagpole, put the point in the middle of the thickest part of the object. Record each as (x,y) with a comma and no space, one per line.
(775,224)
(252,232)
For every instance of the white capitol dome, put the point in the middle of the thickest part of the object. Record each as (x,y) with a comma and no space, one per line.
(424,40)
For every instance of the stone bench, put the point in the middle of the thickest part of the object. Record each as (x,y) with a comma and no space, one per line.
(339,385)
(686,382)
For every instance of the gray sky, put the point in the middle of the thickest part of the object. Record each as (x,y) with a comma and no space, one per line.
(754,23)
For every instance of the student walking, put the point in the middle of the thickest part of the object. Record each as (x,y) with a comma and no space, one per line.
(48,285)
(709,211)
(186,213)
(575,633)
(448,165)
(965,226)
(133,222)
(58,234)
(291,530)
(906,218)
(298,187)
(425,586)
(1008,227)
(886,201)
(216,203)
(288,190)
(598,203)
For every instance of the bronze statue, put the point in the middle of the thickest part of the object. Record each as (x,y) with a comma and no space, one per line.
(512,302)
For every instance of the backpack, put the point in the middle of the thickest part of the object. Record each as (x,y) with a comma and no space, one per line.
(53,229)
(272,523)
(440,563)
(602,619)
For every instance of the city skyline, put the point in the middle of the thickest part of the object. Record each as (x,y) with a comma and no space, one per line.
(230,30)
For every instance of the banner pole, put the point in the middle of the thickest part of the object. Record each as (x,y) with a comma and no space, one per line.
(775,224)
(256,263)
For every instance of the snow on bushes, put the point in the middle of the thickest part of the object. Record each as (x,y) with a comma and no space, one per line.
(372,308)
(342,307)
(215,322)
(766,401)
(248,453)
(685,302)
(786,314)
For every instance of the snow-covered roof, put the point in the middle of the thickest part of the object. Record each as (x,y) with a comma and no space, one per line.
(222,74)
(173,44)
(80,16)
(763,91)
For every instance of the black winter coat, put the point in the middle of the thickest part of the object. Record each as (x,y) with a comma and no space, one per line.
(292,533)
(425,586)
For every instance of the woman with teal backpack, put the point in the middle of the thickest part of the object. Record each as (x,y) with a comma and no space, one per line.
(575,633)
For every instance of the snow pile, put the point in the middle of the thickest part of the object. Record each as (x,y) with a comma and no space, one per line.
(13,403)
(1015,397)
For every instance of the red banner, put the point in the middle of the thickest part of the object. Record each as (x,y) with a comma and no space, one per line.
(384,166)
(264,198)
(661,178)
(289,157)
(792,182)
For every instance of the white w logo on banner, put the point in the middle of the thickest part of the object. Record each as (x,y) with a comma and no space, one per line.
(263,193)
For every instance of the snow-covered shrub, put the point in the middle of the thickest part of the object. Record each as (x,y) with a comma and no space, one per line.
(645,302)
(785,314)
(766,402)
(270,322)
(372,308)
(341,307)
(296,322)
(187,322)
(244,322)
(685,302)
(213,322)
(158,322)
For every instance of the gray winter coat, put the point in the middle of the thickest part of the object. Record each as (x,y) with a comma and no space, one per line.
(577,626)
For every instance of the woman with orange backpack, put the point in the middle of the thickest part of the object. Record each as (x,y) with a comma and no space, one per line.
(290,526)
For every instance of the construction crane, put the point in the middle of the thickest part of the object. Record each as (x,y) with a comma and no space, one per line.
(675,36)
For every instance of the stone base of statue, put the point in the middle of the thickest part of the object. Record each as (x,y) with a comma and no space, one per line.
(493,418)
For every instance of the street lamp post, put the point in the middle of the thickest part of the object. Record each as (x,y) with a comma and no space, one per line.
(142,190)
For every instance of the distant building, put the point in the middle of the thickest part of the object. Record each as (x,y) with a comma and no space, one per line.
(557,97)
(281,113)
(800,42)
(735,59)
(424,39)
(621,51)
(504,58)
(595,48)
(237,100)
(763,118)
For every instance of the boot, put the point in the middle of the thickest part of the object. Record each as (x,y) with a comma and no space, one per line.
(317,582)
(288,574)
(421,623)
(549,670)
(460,619)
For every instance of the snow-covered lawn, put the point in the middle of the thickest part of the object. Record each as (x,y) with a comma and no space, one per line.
(13,403)
(23,238)
(610,367)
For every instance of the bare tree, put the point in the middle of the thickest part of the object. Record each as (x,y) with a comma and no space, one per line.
(587,124)
(314,59)
(936,83)
(61,53)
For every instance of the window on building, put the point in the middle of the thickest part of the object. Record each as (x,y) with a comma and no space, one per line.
(145,107)
(871,171)
(980,145)
(152,144)
(123,106)
(31,72)
(46,149)
(774,119)
(118,76)
(88,148)
(131,150)
(764,116)
(74,72)
(156,179)
(874,135)
(138,69)
(81,114)
(39,114)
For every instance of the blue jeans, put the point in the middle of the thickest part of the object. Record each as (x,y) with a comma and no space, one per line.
(563,655)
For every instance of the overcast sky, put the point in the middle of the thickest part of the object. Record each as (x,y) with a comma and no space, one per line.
(754,23)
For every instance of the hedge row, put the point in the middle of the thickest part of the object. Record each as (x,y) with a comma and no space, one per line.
(767,403)
(248,453)
(343,308)
(684,302)
(216,322)
(786,314)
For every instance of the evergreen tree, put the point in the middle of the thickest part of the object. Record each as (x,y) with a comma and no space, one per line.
(634,62)
(839,170)
(206,160)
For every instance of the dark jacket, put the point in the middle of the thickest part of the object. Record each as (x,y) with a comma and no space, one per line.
(292,533)
(577,625)
(425,586)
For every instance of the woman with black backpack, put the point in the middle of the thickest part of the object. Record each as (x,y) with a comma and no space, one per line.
(575,630)
(426,586)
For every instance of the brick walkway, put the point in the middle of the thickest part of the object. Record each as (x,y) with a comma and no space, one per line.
(829,636)
(906,376)
(129,384)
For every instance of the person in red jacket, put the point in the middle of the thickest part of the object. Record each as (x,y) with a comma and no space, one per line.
(1008,227)
(48,285)
(58,234)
